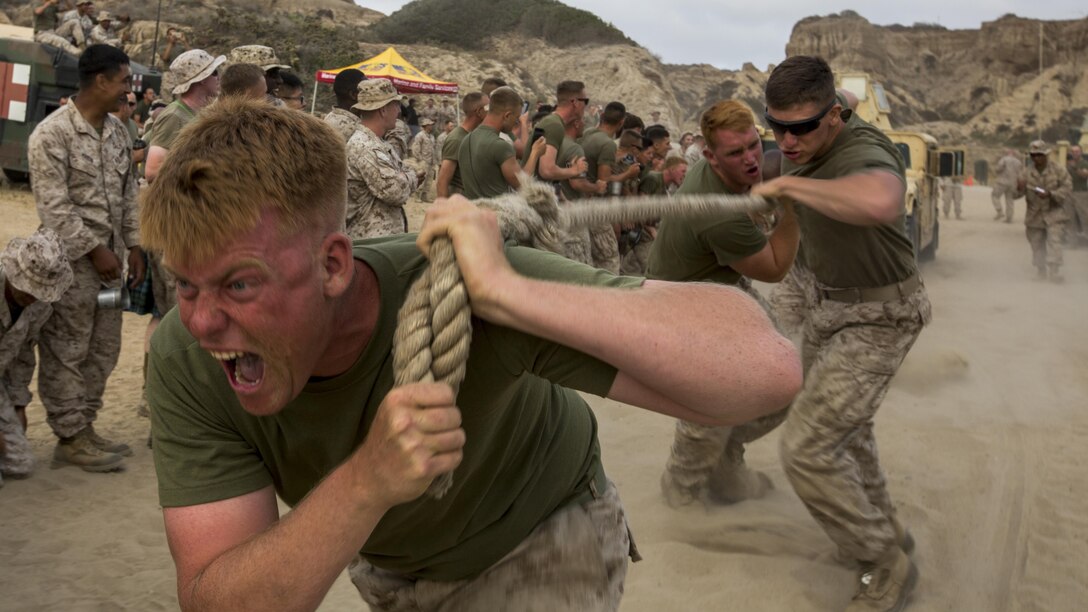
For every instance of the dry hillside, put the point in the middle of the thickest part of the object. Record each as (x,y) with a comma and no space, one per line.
(979,86)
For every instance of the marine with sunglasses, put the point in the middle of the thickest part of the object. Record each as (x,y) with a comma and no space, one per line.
(848,180)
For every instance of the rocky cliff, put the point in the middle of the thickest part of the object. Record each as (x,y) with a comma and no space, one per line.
(964,86)
(980,84)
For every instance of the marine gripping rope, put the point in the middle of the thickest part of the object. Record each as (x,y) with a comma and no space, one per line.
(434,326)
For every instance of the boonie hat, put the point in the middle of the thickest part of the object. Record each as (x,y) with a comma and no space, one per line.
(376,93)
(1038,147)
(426,121)
(192,67)
(38,265)
(258,55)
(82,2)
(104,16)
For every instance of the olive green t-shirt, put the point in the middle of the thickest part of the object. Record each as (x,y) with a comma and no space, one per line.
(531,440)
(651,182)
(480,160)
(450,149)
(554,133)
(703,249)
(169,123)
(46,21)
(569,151)
(842,255)
(600,151)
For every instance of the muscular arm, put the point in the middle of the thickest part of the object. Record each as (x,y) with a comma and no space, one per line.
(445,175)
(708,341)
(771,264)
(510,170)
(868,198)
(550,171)
(236,554)
(155,156)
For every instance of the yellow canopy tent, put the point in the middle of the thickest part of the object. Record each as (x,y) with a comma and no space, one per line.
(391,65)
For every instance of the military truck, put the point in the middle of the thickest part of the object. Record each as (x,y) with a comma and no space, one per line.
(33,78)
(926,162)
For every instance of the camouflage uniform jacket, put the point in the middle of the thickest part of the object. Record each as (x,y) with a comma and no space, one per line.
(422,148)
(343,122)
(378,187)
(17,348)
(1055,179)
(430,112)
(102,36)
(438,142)
(85,21)
(83,182)
(1007,170)
(398,137)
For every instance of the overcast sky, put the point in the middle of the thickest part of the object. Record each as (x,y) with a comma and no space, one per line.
(727,33)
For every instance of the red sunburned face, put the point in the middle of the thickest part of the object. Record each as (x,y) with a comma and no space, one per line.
(737,158)
(259,309)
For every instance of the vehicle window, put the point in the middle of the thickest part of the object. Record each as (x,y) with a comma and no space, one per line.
(904,150)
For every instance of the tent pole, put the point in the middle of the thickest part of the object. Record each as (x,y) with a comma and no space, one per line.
(313,101)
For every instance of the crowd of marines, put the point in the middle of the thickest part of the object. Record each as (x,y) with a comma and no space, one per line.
(847,285)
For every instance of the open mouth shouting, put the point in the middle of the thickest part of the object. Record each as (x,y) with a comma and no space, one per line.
(245,371)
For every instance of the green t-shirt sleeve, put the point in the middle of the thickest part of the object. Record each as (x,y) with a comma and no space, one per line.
(451,148)
(559,364)
(607,154)
(553,131)
(866,152)
(165,130)
(498,151)
(200,456)
(652,184)
(732,239)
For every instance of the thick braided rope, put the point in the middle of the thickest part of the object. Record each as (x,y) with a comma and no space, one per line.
(434,325)
(644,208)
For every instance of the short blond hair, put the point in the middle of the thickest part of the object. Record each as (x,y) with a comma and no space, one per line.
(731,115)
(674,161)
(237,159)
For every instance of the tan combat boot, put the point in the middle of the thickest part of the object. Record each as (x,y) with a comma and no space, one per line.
(885,586)
(81,452)
(1056,276)
(677,494)
(733,481)
(106,445)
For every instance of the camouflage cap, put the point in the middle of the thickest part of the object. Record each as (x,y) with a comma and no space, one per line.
(376,93)
(192,67)
(1038,147)
(104,16)
(425,121)
(258,55)
(38,265)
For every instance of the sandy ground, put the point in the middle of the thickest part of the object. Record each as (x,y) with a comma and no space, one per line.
(982,435)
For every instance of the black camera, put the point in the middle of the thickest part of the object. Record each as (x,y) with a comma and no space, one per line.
(138,144)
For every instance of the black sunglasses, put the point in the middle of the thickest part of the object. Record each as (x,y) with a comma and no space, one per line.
(797,128)
(583,100)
